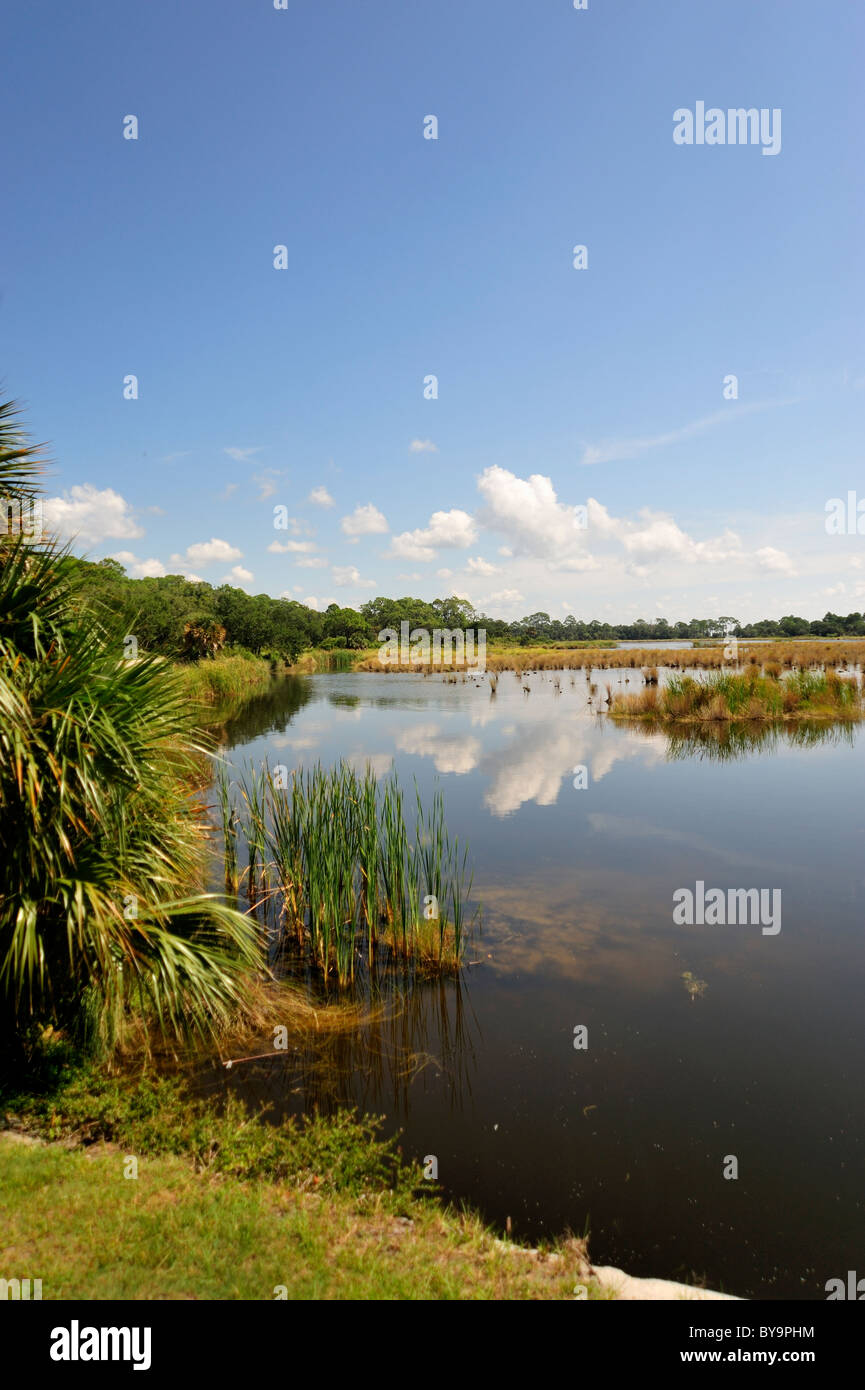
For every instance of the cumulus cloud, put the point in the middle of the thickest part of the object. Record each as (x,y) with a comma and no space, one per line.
(422,446)
(453,529)
(365,520)
(345,575)
(208,553)
(779,561)
(529,513)
(240,574)
(320,497)
(479,566)
(139,569)
(505,596)
(90,513)
(657,536)
(315,562)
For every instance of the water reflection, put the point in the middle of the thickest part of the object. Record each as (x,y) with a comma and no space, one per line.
(413,1041)
(703,1041)
(265,713)
(723,742)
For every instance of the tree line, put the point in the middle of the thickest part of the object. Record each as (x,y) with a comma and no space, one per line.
(175,616)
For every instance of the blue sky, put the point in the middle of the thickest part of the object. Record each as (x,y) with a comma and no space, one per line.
(558,387)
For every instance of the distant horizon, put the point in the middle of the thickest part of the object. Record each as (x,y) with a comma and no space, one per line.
(731,622)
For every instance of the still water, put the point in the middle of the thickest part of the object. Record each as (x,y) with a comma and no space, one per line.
(704,1043)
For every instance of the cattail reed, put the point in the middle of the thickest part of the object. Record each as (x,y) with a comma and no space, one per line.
(347,884)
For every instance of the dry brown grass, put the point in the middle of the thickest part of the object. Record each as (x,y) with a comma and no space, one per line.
(522,661)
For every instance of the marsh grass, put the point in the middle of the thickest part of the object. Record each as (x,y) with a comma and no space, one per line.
(723,697)
(812,654)
(227,677)
(341,881)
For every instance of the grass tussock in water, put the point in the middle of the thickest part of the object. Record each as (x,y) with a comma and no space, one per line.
(331,860)
(747,697)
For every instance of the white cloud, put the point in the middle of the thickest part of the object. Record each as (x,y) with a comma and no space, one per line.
(319,604)
(320,497)
(505,596)
(528,511)
(479,566)
(140,569)
(291,547)
(208,552)
(445,529)
(422,446)
(90,514)
(242,455)
(364,521)
(240,574)
(345,575)
(609,449)
(316,562)
(771,559)
(657,536)
(266,482)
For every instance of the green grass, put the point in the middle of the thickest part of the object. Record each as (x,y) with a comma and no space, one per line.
(229,1206)
(225,678)
(71,1219)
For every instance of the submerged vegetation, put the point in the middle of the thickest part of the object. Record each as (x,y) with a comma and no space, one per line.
(330,860)
(746,697)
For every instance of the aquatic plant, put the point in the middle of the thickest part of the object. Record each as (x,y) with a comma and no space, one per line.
(747,696)
(343,879)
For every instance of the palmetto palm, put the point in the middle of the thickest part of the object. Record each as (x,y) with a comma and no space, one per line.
(100,849)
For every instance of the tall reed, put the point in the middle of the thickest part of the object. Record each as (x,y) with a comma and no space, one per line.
(345,881)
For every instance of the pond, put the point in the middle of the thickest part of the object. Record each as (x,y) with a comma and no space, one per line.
(600,1066)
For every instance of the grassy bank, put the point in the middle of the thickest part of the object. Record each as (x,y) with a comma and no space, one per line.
(227,1206)
(225,678)
(747,697)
